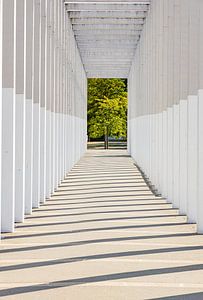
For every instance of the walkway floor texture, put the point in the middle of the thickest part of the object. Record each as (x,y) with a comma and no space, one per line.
(103,235)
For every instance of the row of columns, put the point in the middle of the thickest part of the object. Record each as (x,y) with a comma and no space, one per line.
(166,104)
(43,104)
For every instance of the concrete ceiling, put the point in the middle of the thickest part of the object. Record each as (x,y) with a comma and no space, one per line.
(107,33)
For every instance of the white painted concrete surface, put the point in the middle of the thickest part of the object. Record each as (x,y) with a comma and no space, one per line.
(19,158)
(28,156)
(8,161)
(36,156)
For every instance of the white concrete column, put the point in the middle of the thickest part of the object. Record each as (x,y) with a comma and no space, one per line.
(192,158)
(59,110)
(164,189)
(170,125)
(165,154)
(183,156)
(47,99)
(1,24)
(200,159)
(200,126)
(52,90)
(43,34)
(56,97)
(19,112)
(170,99)
(176,156)
(28,144)
(183,105)
(8,118)
(176,99)
(36,107)
(66,94)
(194,9)
(62,90)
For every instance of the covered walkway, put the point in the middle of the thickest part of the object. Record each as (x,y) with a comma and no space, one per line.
(100,233)
(103,235)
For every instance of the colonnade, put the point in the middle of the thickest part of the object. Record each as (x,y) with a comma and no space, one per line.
(43,94)
(166,104)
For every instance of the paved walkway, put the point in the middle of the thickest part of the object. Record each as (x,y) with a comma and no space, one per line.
(103,235)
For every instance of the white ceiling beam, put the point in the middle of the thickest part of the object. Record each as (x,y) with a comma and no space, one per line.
(102,6)
(124,49)
(107,21)
(107,76)
(109,61)
(106,60)
(108,71)
(118,60)
(105,45)
(84,45)
(100,42)
(108,14)
(104,75)
(110,37)
(107,68)
(109,27)
(106,53)
(121,65)
(111,46)
(106,57)
(108,1)
(105,33)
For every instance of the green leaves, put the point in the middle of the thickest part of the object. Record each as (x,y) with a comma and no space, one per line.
(107,107)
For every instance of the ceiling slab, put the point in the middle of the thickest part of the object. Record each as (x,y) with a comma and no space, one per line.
(107,34)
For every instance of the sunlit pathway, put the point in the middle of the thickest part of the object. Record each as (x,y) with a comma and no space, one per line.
(103,235)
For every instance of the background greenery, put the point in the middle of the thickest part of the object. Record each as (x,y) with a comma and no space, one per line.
(107,108)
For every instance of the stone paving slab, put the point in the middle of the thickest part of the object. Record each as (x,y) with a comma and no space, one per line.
(103,236)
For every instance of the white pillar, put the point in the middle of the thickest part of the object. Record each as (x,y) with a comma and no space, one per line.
(183,105)
(193,109)
(43,33)
(176,156)
(52,98)
(165,155)
(28,106)
(8,117)
(19,112)
(36,107)
(200,170)
(183,156)
(56,98)
(1,24)
(176,99)
(170,125)
(192,158)
(47,99)
(200,126)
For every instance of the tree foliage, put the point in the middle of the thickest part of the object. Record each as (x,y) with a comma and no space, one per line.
(107,108)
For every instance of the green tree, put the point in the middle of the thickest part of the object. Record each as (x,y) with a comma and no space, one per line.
(107,108)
